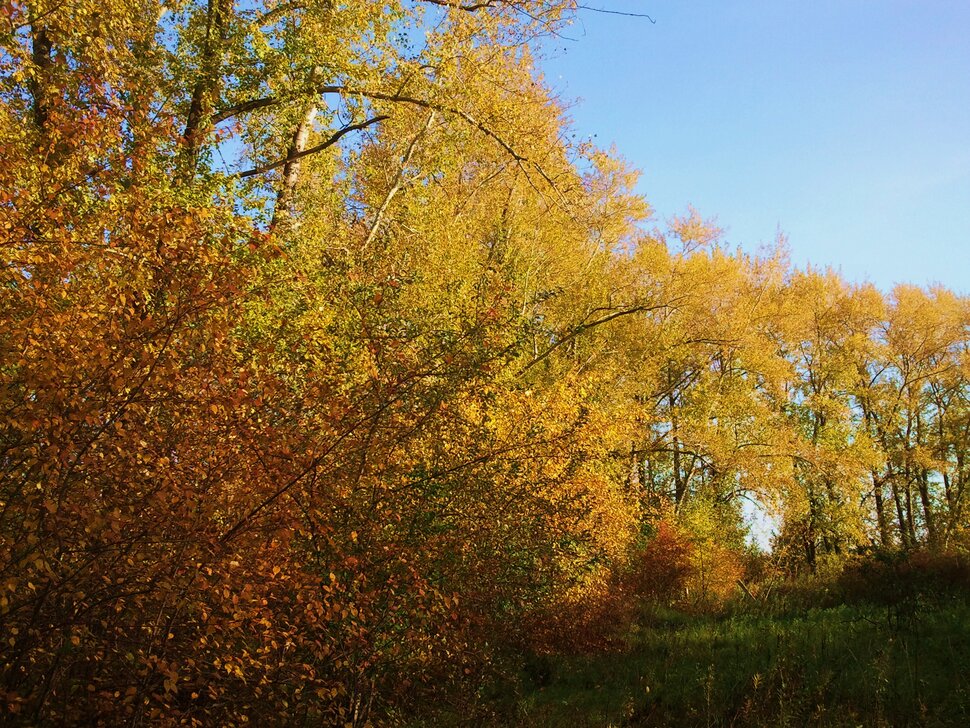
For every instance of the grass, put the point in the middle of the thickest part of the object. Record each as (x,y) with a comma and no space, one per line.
(906,664)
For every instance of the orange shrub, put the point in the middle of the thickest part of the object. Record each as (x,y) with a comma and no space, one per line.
(666,565)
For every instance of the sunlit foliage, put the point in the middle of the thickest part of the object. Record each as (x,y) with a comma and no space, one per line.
(331,365)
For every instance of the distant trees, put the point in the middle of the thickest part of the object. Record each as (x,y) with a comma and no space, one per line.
(834,402)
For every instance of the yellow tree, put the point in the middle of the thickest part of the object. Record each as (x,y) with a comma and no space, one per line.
(245,471)
(924,334)
(830,461)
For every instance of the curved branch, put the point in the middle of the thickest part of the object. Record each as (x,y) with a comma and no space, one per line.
(586,325)
(312,150)
(265,102)
(269,101)
(470,8)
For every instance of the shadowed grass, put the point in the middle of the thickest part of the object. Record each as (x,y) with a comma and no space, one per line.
(898,665)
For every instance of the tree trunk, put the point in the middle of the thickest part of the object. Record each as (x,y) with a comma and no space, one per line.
(885,540)
(910,518)
(198,123)
(679,485)
(291,170)
(882,518)
(924,494)
(900,513)
(42,54)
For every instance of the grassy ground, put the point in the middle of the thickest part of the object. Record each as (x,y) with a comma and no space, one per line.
(862,665)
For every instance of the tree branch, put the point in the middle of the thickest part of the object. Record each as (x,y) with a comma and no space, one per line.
(398,181)
(312,150)
(586,326)
(256,104)
(470,8)
(269,101)
(613,12)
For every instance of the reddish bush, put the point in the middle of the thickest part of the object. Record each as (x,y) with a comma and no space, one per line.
(598,615)
(661,572)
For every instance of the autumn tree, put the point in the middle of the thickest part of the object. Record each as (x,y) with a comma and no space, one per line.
(260,418)
(331,364)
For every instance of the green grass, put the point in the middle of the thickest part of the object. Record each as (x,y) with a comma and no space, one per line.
(859,665)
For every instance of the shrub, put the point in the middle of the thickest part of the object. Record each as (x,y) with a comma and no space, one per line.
(662,571)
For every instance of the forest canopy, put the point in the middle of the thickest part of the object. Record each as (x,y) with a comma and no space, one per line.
(332,364)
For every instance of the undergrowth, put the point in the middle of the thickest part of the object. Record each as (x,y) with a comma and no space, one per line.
(884,643)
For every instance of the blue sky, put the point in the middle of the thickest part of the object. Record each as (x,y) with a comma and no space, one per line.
(843,123)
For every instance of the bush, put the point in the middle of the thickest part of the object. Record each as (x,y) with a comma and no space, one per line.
(665,567)
(888,577)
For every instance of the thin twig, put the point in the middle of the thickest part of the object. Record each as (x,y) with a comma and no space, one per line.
(398,180)
(616,12)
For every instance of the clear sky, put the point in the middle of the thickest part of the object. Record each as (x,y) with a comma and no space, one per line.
(844,124)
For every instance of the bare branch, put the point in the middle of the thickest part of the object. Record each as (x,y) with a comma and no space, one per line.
(615,12)
(312,150)
(398,181)
(399,98)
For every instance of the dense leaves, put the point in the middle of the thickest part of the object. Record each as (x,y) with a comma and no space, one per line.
(330,367)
